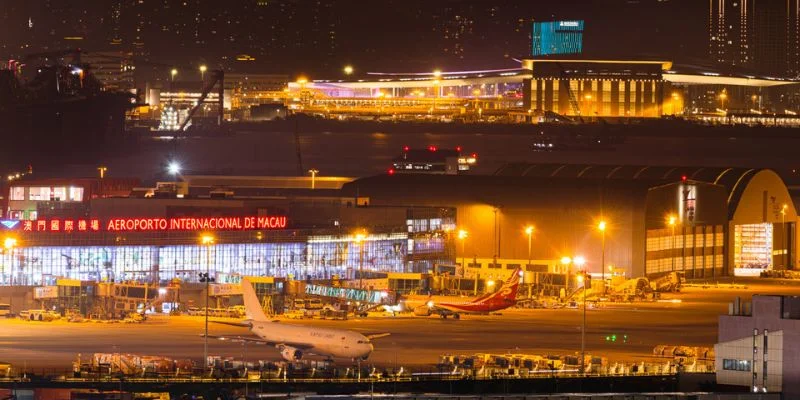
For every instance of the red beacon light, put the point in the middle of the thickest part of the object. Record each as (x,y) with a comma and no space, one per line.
(458,149)
(390,171)
(683,178)
(432,148)
(474,155)
(406,148)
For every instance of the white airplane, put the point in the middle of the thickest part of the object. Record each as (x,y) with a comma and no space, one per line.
(295,340)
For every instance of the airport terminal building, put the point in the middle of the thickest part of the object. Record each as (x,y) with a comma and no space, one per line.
(161,239)
(703,222)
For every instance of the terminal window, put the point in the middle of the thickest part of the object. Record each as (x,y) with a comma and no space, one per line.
(736,365)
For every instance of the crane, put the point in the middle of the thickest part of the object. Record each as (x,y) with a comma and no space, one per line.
(217,76)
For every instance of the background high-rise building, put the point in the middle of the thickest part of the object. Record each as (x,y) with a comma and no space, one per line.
(557,37)
(758,35)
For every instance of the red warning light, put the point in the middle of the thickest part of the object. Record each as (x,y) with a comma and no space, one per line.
(391,171)
(683,178)
(405,148)
(432,148)
(474,155)
(458,149)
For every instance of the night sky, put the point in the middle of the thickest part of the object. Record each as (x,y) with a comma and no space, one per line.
(319,37)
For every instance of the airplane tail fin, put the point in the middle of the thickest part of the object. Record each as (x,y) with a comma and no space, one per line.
(252,307)
(511,285)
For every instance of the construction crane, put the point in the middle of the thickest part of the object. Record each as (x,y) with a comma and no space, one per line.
(217,76)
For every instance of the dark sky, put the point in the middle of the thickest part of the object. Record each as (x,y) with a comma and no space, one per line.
(319,36)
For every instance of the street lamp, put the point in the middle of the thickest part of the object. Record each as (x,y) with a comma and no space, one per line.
(462,236)
(602,227)
(102,170)
(785,252)
(671,221)
(582,281)
(172,74)
(529,231)
(313,173)
(208,241)
(174,168)
(348,70)
(360,238)
(203,70)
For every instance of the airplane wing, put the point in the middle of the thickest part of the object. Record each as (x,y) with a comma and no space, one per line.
(239,324)
(249,339)
(371,336)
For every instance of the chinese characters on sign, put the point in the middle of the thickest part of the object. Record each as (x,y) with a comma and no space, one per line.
(155,224)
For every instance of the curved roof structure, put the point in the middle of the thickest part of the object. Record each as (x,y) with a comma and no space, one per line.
(735,180)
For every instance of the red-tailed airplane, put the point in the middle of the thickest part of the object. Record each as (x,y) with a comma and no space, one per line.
(445,306)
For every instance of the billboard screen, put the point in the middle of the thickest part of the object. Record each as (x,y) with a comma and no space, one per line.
(557,37)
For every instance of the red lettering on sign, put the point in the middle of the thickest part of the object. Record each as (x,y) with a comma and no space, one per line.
(158,224)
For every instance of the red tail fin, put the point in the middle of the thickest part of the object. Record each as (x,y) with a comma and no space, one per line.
(503,297)
(511,286)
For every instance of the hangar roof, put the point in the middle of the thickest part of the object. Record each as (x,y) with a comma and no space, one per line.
(639,177)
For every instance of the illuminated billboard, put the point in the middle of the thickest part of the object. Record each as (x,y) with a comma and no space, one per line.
(557,37)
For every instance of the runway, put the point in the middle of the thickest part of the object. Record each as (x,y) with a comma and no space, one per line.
(414,341)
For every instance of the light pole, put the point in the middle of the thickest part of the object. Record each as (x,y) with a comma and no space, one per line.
(529,232)
(785,251)
(462,236)
(582,280)
(566,261)
(313,173)
(208,241)
(348,70)
(671,221)
(203,70)
(602,227)
(172,74)
(360,239)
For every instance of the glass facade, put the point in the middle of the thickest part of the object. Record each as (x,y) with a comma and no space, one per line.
(557,37)
(160,258)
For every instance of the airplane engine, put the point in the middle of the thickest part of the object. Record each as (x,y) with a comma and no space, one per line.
(422,311)
(290,353)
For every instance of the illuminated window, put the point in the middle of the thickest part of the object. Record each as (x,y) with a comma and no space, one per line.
(736,365)
(39,193)
(60,194)
(76,194)
(17,193)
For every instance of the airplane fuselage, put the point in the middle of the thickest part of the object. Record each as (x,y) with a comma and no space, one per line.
(335,343)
